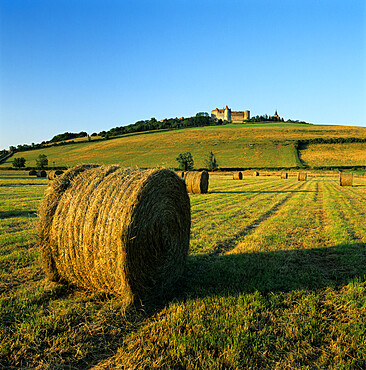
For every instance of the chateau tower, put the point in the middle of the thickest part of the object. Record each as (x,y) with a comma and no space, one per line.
(227,114)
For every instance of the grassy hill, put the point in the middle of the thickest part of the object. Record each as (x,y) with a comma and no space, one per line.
(234,145)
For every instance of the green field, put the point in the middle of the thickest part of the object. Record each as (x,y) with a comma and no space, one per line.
(275,278)
(234,145)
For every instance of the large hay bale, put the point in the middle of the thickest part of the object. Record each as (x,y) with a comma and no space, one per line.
(238,175)
(32,173)
(255,173)
(302,176)
(181,174)
(41,173)
(345,179)
(284,175)
(53,174)
(197,182)
(114,230)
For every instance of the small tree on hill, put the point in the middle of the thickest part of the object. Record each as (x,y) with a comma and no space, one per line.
(19,162)
(185,161)
(211,162)
(42,161)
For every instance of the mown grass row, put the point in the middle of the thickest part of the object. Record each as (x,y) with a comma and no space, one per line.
(275,279)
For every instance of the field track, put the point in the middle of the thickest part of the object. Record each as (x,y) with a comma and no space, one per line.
(275,278)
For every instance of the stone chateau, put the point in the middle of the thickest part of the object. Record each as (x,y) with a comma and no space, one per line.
(227,115)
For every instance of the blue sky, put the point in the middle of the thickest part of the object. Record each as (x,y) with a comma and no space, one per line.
(87,65)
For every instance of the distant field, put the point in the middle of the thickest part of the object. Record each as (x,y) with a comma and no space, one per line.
(234,145)
(275,278)
(346,154)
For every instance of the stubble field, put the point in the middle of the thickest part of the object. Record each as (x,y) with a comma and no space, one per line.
(275,278)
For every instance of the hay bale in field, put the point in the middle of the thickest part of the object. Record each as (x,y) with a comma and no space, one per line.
(238,175)
(302,176)
(115,230)
(284,175)
(53,174)
(197,182)
(181,174)
(345,179)
(41,173)
(255,173)
(32,173)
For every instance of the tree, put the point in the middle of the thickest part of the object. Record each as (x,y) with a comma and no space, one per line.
(19,162)
(42,161)
(211,162)
(185,161)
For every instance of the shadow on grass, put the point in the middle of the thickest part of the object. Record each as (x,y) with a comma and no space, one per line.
(263,192)
(18,185)
(17,213)
(100,327)
(278,271)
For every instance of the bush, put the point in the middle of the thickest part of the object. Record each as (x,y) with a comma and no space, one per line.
(185,161)
(19,162)
(42,161)
(211,162)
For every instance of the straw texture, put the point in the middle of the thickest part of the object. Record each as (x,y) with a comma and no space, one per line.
(115,230)
(41,173)
(197,182)
(238,176)
(255,173)
(302,176)
(346,179)
(54,173)
(284,175)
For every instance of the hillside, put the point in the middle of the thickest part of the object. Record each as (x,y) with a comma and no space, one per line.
(234,145)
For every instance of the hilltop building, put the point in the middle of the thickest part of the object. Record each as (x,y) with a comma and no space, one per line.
(275,117)
(227,115)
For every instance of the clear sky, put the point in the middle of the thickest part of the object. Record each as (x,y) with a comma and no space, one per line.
(88,65)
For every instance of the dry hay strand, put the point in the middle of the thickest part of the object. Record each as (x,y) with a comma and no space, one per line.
(53,174)
(302,176)
(32,173)
(41,173)
(114,230)
(255,173)
(345,179)
(284,175)
(238,176)
(197,182)
(181,174)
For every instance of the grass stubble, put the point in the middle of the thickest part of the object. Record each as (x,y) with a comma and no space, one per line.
(275,279)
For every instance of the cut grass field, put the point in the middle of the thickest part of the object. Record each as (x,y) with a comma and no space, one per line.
(275,279)
(234,145)
(345,154)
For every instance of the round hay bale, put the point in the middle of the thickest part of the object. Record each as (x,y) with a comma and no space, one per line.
(53,174)
(114,230)
(238,176)
(284,175)
(302,176)
(181,174)
(32,173)
(41,173)
(345,179)
(197,182)
(255,173)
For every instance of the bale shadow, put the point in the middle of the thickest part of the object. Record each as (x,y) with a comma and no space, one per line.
(221,275)
(17,213)
(263,192)
(18,185)
(277,271)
